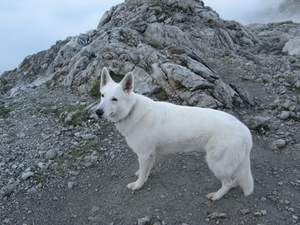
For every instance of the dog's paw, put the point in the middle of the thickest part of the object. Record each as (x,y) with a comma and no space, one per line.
(212,196)
(133,186)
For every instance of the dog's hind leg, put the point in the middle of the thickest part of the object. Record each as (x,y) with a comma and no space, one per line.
(146,163)
(227,184)
(223,168)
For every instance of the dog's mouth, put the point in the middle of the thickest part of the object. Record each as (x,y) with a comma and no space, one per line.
(100,114)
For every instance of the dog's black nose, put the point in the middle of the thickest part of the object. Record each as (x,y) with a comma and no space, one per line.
(99,112)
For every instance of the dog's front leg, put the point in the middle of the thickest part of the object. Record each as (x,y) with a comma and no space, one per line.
(145,164)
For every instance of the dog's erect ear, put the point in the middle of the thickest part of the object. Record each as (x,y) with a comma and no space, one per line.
(127,83)
(105,77)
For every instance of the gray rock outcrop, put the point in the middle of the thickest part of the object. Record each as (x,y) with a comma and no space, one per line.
(182,48)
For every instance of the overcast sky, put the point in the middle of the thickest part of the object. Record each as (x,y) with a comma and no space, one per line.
(30,26)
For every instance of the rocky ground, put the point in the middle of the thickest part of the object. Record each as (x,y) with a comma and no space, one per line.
(60,166)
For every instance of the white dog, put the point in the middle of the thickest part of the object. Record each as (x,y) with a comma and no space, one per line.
(158,127)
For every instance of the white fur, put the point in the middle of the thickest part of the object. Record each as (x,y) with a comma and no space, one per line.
(158,127)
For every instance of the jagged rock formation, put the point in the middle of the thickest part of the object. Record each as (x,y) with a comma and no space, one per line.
(180,47)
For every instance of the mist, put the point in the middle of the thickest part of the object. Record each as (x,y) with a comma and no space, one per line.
(256,11)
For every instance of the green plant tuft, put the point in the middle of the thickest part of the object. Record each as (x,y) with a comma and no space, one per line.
(77,115)
(162,95)
(55,78)
(116,77)
(95,91)
(71,157)
(154,44)
(4,111)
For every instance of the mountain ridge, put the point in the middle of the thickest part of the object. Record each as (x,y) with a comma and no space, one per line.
(155,40)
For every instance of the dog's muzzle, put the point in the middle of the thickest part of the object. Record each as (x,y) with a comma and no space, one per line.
(99,113)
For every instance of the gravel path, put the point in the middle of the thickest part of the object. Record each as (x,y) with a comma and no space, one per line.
(59,166)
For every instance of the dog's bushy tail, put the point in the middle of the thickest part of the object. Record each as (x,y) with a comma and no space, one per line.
(245,179)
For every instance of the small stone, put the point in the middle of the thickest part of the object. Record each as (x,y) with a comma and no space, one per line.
(32,190)
(71,185)
(285,115)
(264,212)
(94,219)
(287,202)
(69,116)
(42,165)
(278,144)
(6,220)
(14,166)
(280,183)
(27,174)
(291,209)
(94,210)
(263,199)
(88,136)
(257,214)
(20,135)
(51,154)
(74,173)
(272,198)
(295,217)
(218,215)
(7,193)
(143,220)
(245,211)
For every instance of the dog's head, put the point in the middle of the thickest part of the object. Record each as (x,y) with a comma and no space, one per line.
(116,101)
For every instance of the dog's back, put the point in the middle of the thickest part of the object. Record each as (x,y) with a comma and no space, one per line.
(181,128)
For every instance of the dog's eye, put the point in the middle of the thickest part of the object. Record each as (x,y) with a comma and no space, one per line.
(114,99)
(102,95)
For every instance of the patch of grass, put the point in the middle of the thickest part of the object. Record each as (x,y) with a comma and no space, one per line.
(165,9)
(125,38)
(261,128)
(267,71)
(116,77)
(71,157)
(162,95)
(59,74)
(154,44)
(139,4)
(48,84)
(55,78)
(38,175)
(4,111)
(274,106)
(75,115)
(282,23)
(95,91)
(48,109)
(184,63)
